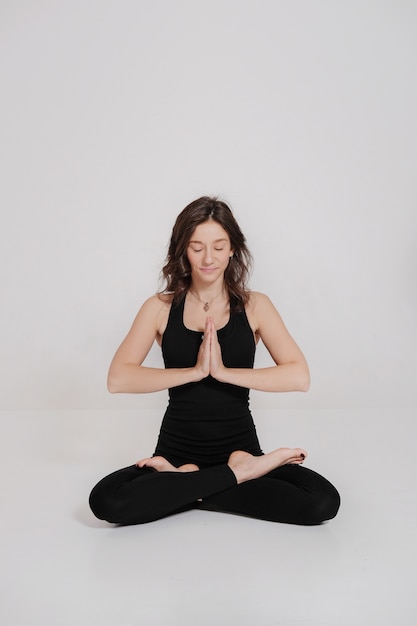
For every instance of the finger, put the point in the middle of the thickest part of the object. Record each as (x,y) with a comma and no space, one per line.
(143,462)
(210,330)
(206,335)
(298,460)
(213,330)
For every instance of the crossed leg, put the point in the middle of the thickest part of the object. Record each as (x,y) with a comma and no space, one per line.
(266,487)
(135,495)
(289,494)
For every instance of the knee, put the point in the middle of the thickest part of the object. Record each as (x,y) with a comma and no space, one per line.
(103,507)
(326,506)
(96,505)
(115,510)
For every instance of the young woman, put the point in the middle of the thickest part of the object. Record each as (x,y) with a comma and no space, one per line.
(208,324)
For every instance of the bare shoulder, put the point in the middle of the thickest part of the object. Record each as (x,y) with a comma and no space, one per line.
(259,300)
(259,305)
(269,326)
(155,309)
(155,303)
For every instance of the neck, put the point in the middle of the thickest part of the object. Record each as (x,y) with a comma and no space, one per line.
(206,294)
(207,297)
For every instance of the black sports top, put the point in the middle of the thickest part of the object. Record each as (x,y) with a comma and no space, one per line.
(207,420)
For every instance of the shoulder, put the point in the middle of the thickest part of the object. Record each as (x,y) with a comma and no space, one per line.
(256,298)
(259,302)
(155,311)
(258,308)
(157,302)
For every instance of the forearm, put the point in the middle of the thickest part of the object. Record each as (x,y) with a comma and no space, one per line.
(133,378)
(285,377)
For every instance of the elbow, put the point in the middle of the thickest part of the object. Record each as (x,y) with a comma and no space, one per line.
(305,381)
(112,385)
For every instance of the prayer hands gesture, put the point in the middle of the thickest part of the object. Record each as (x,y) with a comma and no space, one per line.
(209,359)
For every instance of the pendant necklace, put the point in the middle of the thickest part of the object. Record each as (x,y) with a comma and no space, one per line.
(206,303)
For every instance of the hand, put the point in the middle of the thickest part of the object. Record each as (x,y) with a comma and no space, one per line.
(216,362)
(209,359)
(203,358)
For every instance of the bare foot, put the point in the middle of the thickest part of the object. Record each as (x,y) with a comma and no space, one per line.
(245,466)
(160,464)
(188,467)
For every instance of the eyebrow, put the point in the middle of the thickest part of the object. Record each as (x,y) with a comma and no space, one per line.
(215,241)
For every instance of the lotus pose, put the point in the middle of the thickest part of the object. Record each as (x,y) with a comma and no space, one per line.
(208,324)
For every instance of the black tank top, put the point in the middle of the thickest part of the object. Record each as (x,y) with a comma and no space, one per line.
(207,420)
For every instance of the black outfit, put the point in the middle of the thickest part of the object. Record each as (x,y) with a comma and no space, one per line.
(203,424)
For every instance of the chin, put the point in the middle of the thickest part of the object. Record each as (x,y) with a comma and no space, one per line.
(209,276)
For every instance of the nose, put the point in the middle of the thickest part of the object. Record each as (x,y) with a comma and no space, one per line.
(207,260)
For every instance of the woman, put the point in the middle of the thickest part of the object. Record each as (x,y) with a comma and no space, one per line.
(208,455)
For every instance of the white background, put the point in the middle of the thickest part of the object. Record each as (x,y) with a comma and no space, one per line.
(116,114)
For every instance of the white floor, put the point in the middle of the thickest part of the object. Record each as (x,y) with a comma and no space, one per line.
(61,566)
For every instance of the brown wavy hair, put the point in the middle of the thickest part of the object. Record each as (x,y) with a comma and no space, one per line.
(176,272)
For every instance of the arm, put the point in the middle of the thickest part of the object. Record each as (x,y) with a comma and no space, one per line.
(128,375)
(290,372)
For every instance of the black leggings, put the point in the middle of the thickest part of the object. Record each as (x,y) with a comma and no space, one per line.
(291,494)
